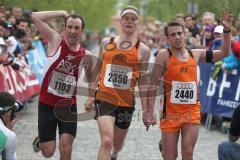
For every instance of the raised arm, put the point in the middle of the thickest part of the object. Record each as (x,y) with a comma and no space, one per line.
(40,21)
(217,55)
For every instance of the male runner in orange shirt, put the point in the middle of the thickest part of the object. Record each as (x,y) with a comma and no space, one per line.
(124,61)
(181,111)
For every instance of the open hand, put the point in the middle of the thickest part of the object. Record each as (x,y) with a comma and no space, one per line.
(226,19)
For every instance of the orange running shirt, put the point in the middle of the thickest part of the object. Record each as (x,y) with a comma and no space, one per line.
(181,103)
(120,71)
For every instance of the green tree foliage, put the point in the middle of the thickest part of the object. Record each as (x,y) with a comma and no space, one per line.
(97,13)
(165,10)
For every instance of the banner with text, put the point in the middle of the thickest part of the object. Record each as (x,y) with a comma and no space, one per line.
(22,84)
(37,59)
(219,97)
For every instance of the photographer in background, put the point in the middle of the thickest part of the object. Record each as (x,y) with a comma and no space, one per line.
(8,107)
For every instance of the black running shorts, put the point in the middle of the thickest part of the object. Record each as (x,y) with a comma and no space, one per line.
(123,115)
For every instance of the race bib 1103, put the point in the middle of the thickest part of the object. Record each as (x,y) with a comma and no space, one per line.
(62,85)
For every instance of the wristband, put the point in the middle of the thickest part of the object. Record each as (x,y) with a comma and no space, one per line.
(226,30)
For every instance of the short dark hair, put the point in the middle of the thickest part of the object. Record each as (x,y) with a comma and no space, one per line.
(172,24)
(22,20)
(131,8)
(74,16)
(189,15)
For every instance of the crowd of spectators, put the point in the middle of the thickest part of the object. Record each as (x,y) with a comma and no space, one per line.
(17,33)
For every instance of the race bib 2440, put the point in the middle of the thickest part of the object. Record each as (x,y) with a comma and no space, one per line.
(184,92)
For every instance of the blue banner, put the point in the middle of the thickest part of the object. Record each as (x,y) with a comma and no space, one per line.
(37,59)
(220,96)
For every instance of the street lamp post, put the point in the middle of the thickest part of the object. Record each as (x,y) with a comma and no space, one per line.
(193,7)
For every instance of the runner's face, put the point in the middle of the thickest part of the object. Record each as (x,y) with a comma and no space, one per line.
(73,30)
(176,37)
(129,23)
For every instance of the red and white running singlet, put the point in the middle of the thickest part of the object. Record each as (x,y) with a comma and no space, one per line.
(60,75)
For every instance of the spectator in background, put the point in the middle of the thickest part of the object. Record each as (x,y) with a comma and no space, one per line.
(3,55)
(7,136)
(2,8)
(192,42)
(230,150)
(20,35)
(191,25)
(22,24)
(6,33)
(3,58)
(207,37)
(218,37)
(2,16)
(17,12)
(179,18)
(208,18)
(236,48)
(23,36)
(228,63)
(196,22)
(11,19)
(8,108)
(2,28)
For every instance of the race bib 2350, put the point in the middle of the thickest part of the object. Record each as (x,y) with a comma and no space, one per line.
(118,76)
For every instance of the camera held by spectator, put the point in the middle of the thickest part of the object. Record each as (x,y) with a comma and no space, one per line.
(5,58)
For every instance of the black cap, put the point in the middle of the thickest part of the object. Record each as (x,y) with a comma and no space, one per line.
(7,101)
(6,24)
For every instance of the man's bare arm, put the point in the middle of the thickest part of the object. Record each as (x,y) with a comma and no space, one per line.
(40,21)
(158,71)
(95,77)
(143,79)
